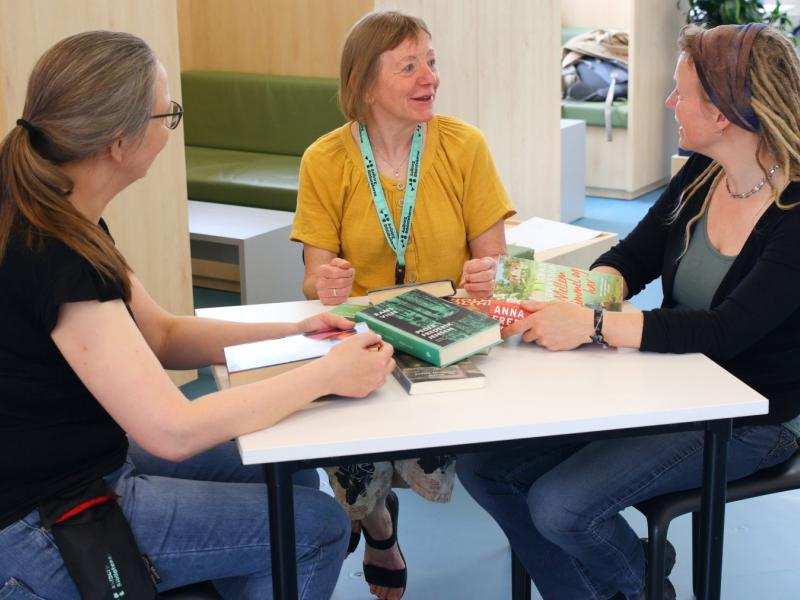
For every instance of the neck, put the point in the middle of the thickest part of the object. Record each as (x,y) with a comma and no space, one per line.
(390,140)
(94,186)
(738,157)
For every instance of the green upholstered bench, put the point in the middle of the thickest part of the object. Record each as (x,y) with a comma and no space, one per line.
(245,134)
(591,112)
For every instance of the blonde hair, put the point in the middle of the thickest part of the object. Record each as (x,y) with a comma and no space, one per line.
(775,98)
(84,93)
(371,36)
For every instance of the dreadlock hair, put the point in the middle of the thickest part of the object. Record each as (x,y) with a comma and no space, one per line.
(775,98)
(84,93)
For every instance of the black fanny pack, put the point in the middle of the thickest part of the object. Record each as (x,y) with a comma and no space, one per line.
(97,544)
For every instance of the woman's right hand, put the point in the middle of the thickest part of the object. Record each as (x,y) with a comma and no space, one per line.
(335,281)
(359,365)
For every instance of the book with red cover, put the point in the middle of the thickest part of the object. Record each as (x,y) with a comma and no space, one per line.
(500,310)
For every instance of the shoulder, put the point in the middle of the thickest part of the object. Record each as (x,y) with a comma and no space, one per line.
(455,131)
(328,148)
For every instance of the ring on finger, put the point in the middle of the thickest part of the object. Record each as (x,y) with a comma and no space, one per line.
(333,291)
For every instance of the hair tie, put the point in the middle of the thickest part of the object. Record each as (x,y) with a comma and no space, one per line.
(28,126)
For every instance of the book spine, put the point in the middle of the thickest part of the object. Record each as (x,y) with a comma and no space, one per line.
(402,340)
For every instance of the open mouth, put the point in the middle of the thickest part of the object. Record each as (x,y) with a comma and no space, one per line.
(428,98)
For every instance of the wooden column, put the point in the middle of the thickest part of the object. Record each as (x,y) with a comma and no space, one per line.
(149,219)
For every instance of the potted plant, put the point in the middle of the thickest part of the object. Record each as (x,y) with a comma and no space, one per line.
(725,12)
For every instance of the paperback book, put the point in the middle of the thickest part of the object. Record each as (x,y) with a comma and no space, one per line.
(259,360)
(507,312)
(432,329)
(418,377)
(522,279)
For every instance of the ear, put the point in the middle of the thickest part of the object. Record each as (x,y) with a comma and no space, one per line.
(117,150)
(721,122)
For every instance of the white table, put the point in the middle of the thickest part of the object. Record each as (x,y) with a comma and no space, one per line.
(530,393)
(257,239)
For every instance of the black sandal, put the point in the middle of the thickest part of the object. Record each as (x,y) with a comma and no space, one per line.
(355,538)
(390,578)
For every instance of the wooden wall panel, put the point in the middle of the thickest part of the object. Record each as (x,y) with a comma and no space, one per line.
(149,219)
(608,14)
(652,128)
(285,37)
(499,65)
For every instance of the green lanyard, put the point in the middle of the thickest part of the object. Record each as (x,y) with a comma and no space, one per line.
(397,241)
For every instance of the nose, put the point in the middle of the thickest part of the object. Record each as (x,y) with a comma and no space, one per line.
(428,74)
(672,99)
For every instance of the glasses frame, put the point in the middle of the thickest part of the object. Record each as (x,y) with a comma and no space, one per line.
(176,115)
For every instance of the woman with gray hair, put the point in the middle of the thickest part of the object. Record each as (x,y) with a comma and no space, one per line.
(82,357)
(725,238)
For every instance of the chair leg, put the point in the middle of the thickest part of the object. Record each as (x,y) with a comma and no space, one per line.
(697,571)
(656,549)
(520,580)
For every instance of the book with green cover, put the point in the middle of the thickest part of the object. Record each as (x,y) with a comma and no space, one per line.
(435,330)
(522,279)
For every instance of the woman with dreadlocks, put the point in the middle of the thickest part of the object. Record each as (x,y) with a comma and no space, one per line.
(725,238)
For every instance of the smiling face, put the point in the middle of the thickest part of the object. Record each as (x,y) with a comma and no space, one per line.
(700,122)
(406,85)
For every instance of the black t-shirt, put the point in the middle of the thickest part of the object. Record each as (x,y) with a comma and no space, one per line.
(53,432)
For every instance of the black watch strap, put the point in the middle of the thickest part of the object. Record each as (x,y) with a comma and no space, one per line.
(598,338)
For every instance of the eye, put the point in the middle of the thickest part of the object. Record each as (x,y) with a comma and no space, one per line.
(408,68)
(432,63)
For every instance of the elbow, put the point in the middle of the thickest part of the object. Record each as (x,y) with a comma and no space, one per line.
(174,445)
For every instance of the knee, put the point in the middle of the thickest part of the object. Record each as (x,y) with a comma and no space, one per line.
(475,472)
(552,515)
(318,510)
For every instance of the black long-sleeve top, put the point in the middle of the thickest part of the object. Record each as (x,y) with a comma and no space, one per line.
(752,328)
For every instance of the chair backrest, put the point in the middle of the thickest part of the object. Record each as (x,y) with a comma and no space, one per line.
(271,114)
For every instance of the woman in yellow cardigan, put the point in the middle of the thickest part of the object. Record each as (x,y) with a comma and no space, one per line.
(396,195)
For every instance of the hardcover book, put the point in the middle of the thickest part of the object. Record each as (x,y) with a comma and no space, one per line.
(418,377)
(258,360)
(435,330)
(507,312)
(441,288)
(521,279)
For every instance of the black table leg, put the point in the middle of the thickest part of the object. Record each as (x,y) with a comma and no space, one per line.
(520,580)
(280,496)
(712,512)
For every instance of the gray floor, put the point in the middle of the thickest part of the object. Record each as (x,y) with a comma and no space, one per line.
(455,551)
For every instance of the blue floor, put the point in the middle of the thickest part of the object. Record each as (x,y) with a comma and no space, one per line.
(456,552)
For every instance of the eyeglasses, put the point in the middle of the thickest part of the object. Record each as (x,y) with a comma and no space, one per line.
(173,117)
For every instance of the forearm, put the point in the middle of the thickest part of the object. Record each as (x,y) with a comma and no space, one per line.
(623,329)
(193,342)
(310,286)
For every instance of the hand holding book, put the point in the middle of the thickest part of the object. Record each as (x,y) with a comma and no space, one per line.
(325,320)
(554,325)
(335,281)
(478,277)
(358,365)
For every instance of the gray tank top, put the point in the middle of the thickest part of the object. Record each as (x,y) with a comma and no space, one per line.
(700,271)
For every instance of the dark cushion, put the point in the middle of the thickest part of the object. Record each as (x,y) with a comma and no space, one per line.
(270,114)
(243,178)
(594,113)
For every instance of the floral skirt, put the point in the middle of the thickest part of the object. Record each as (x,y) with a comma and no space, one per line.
(359,487)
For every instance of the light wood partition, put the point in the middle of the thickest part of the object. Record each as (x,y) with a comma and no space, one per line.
(637,160)
(149,219)
(499,66)
(283,37)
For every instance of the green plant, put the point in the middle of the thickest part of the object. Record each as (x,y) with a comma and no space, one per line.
(723,12)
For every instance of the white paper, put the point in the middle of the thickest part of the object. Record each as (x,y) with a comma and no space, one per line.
(542,234)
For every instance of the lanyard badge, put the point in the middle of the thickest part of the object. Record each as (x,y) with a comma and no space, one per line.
(398,241)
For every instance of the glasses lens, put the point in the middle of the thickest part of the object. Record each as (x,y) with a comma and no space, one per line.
(175,117)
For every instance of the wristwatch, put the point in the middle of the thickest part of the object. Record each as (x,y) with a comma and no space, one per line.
(598,338)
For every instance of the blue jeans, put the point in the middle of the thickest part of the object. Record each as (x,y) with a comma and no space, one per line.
(204,518)
(559,506)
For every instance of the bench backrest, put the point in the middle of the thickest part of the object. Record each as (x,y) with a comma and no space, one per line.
(272,114)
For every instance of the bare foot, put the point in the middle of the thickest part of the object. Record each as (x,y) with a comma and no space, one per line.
(379,525)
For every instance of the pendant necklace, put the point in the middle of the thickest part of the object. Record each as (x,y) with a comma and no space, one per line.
(756,188)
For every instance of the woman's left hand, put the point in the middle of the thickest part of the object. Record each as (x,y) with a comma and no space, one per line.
(324,320)
(478,275)
(554,325)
